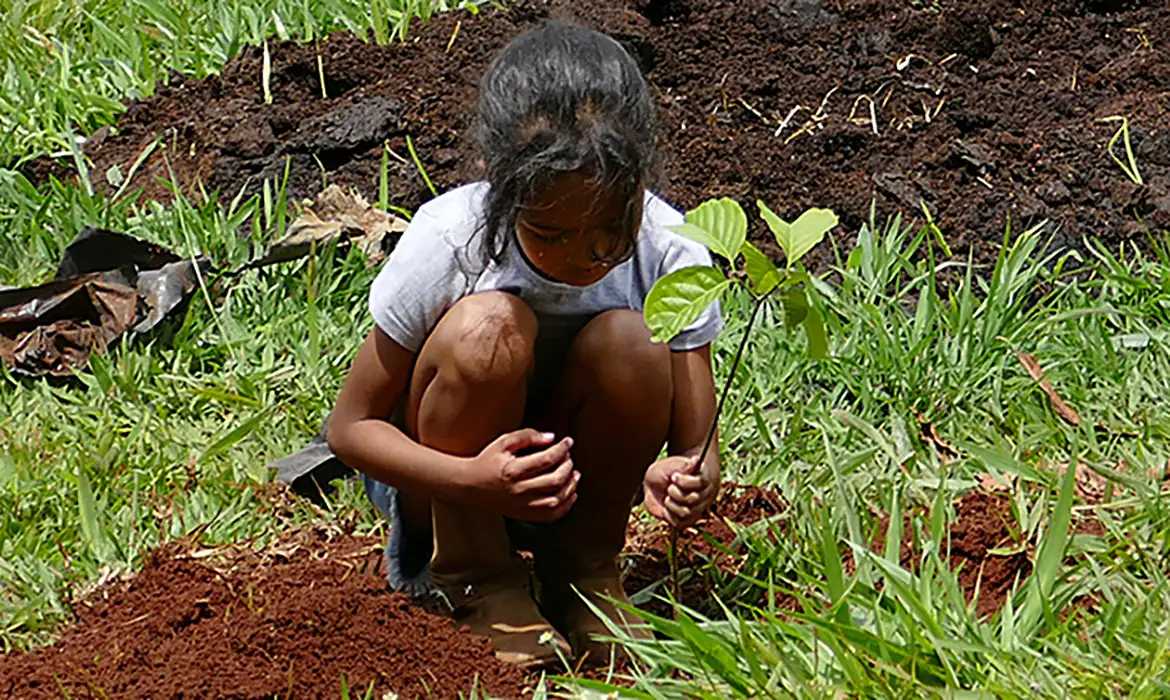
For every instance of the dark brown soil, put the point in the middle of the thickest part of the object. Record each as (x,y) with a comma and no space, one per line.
(981,109)
(288,622)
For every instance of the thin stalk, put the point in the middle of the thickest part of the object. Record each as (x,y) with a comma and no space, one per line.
(672,551)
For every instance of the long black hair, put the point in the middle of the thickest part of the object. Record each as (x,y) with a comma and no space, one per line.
(562,98)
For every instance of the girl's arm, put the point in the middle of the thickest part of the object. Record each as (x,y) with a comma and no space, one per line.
(361,435)
(676,489)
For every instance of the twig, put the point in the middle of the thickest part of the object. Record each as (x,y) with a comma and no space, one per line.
(784,123)
(453,35)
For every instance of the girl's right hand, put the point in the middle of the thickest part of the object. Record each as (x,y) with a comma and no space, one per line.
(539,487)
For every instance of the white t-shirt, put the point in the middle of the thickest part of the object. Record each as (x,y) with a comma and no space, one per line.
(440,259)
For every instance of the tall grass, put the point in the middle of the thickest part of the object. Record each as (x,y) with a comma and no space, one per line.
(840,440)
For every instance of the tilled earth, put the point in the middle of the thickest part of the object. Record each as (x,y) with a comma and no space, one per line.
(979,112)
(293,619)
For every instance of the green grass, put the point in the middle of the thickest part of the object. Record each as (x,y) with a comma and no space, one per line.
(171,433)
(839,439)
(167,431)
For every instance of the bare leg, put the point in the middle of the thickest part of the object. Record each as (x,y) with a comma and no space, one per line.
(615,401)
(469,386)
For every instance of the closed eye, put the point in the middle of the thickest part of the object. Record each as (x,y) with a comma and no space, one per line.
(548,235)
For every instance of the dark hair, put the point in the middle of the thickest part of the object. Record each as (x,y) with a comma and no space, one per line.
(562,98)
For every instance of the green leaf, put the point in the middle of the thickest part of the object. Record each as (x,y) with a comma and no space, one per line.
(893,551)
(719,224)
(87,508)
(760,270)
(681,297)
(834,572)
(795,307)
(239,433)
(1052,551)
(801,235)
(818,341)
(7,469)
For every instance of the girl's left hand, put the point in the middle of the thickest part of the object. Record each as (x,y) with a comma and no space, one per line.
(679,492)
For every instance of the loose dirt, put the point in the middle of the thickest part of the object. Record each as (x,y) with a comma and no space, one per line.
(983,549)
(291,619)
(289,622)
(709,555)
(977,111)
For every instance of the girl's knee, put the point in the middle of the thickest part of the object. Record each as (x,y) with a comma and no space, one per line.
(616,346)
(489,338)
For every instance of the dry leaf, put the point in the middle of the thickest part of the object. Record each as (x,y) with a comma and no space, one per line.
(995,484)
(1089,485)
(1033,367)
(946,452)
(336,215)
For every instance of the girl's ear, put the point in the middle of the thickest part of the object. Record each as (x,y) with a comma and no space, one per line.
(480,164)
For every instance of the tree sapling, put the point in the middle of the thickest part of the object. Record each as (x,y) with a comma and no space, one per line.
(679,298)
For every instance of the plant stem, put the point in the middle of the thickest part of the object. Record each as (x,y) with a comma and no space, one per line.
(672,553)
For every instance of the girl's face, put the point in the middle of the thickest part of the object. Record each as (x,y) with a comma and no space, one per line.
(571,231)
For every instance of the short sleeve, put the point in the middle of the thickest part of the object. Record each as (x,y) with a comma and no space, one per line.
(418,283)
(681,253)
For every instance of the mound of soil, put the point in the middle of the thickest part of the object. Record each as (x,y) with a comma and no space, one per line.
(288,622)
(975,111)
(983,549)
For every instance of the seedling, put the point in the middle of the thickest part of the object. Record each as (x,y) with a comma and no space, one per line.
(679,298)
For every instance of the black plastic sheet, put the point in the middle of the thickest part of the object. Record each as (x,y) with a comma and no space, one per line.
(107,284)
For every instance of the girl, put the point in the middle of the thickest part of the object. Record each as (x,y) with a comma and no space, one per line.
(509,397)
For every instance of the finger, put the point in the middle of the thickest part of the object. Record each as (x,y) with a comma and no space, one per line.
(654,505)
(522,439)
(555,500)
(550,482)
(551,509)
(678,511)
(687,482)
(686,498)
(543,461)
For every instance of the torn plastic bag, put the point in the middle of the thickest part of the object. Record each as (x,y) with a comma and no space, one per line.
(52,328)
(107,283)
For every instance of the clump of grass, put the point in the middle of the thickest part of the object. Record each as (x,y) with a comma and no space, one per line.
(843,448)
